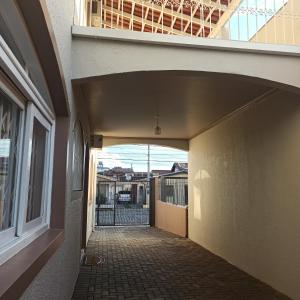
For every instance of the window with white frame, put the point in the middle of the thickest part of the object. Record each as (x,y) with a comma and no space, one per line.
(10,121)
(26,149)
(36,169)
(27,126)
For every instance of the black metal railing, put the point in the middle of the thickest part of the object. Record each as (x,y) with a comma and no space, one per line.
(174,190)
(122,203)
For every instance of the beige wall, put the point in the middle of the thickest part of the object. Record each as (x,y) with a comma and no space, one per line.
(284,28)
(244,196)
(91,194)
(171,218)
(169,53)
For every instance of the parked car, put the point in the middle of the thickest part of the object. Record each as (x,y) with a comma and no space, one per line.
(124,196)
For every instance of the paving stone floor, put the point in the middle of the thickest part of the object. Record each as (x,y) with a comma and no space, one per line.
(146,263)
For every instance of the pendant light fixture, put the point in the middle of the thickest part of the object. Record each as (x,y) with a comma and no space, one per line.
(157,129)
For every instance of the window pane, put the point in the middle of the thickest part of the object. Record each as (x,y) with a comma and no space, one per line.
(94,7)
(9,129)
(35,189)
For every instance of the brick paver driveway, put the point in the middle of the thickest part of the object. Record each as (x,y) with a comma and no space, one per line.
(146,263)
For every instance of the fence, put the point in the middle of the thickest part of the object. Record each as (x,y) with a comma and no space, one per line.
(174,190)
(268,21)
(122,203)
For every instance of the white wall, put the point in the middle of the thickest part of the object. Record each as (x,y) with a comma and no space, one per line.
(244,191)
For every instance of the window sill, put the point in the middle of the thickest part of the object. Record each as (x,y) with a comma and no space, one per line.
(18,272)
(10,249)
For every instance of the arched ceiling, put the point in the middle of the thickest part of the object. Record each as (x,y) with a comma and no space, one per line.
(187,103)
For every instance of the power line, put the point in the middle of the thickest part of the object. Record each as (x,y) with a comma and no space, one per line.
(155,165)
(139,153)
(142,147)
(126,150)
(132,159)
(142,155)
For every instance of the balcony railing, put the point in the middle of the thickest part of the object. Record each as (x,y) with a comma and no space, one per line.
(265,21)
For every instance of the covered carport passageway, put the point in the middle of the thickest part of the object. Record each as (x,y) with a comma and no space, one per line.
(241,127)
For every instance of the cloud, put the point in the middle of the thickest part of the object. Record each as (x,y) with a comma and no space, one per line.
(110,160)
(136,155)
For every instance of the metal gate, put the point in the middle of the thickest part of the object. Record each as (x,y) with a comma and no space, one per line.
(122,203)
(105,203)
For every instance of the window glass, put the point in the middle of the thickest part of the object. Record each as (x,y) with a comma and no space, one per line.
(36,179)
(251,16)
(94,7)
(9,129)
(169,193)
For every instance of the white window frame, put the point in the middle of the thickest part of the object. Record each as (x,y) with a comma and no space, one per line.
(8,234)
(23,226)
(32,104)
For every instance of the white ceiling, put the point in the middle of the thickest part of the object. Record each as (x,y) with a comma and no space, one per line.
(125,105)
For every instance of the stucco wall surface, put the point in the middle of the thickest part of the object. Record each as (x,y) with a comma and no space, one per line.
(116,53)
(91,194)
(171,218)
(244,191)
(57,279)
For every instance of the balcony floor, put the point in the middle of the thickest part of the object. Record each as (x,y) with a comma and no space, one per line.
(146,263)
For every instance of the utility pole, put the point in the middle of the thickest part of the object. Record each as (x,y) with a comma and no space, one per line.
(148,179)
(148,175)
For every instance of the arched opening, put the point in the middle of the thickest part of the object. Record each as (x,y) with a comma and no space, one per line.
(129,175)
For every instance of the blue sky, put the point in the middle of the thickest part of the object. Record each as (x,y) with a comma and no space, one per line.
(251,16)
(136,155)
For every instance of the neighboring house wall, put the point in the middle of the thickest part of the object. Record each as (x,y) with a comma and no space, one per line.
(244,191)
(57,279)
(284,28)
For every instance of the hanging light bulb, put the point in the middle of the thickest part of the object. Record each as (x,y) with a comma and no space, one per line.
(157,129)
